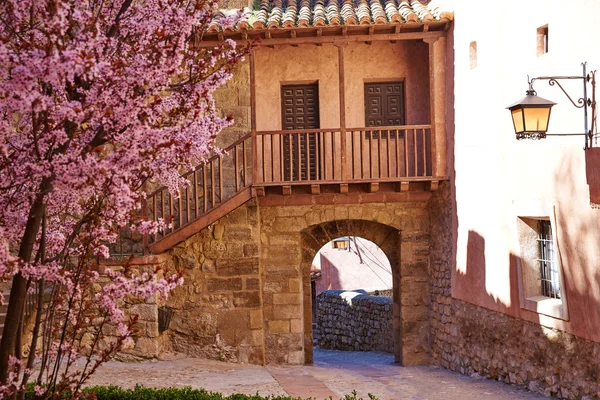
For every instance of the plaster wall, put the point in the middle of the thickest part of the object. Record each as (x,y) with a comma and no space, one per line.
(377,62)
(498,179)
(364,266)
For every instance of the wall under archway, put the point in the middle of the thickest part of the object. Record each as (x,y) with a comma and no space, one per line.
(292,235)
(386,237)
(246,295)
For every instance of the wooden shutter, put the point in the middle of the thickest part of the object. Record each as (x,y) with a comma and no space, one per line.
(384,104)
(299,111)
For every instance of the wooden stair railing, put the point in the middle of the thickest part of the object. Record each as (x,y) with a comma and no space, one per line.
(216,187)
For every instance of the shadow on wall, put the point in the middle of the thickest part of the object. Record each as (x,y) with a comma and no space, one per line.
(525,352)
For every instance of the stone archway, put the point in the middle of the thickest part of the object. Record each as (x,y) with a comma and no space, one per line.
(386,237)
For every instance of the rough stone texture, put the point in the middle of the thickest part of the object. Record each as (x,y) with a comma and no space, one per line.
(351,320)
(246,296)
(216,307)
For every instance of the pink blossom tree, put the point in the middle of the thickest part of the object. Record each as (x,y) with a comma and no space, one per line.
(96,98)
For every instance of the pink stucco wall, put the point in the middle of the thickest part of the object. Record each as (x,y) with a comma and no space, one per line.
(341,269)
(497,178)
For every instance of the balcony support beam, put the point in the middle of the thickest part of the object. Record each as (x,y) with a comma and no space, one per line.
(342,86)
(437,102)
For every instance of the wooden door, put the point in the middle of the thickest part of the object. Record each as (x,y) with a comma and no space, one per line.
(299,111)
(384,104)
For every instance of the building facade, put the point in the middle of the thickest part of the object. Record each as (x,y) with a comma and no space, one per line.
(387,121)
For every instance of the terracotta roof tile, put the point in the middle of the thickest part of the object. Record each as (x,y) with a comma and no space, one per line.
(275,14)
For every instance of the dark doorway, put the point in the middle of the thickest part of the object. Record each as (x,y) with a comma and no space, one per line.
(384,104)
(300,111)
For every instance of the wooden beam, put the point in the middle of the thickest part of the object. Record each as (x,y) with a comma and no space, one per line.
(404,186)
(343,188)
(333,39)
(433,186)
(286,190)
(373,187)
(254,151)
(315,189)
(342,94)
(258,191)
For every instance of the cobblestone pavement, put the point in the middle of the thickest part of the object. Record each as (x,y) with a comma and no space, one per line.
(335,373)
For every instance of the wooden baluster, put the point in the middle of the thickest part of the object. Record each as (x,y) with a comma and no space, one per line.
(398,153)
(317,159)
(281,158)
(263,138)
(235,162)
(205,187)
(380,133)
(362,153)
(180,201)
(188,204)
(195,191)
(415,153)
(221,179)
(389,156)
(371,154)
(213,193)
(162,210)
(424,152)
(244,163)
(154,216)
(290,155)
(333,155)
(307,143)
(299,155)
(406,153)
(171,212)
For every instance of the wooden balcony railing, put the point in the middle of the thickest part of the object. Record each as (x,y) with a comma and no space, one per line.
(320,155)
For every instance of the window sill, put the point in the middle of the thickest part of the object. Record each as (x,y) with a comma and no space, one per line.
(549,306)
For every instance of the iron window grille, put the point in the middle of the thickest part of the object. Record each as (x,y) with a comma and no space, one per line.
(549,273)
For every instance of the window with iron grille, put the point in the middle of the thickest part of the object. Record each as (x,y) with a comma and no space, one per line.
(547,261)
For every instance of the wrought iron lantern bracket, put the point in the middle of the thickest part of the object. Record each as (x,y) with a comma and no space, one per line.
(587,103)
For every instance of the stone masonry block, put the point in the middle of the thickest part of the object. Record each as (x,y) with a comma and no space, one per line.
(286,298)
(252,284)
(246,299)
(222,285)
(287,312)
(279,326)
(146,312)
(237,266)
(256,319)
(233,319)
(295,285)
(296,325)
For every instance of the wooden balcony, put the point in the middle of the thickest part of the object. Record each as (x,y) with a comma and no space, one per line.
(282,162)
(332,156)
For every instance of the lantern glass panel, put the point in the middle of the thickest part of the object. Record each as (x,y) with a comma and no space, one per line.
(518,120)
(536,119)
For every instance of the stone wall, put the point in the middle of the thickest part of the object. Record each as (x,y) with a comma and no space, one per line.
(218,309)
(246,296)
(351,320)
(474,340)
(504,348)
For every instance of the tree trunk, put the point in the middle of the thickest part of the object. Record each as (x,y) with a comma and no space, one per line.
(18,291)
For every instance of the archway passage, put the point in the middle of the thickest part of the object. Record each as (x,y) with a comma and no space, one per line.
(352,313)
(387,238)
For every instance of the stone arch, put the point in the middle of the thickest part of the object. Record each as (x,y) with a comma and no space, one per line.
(388,238)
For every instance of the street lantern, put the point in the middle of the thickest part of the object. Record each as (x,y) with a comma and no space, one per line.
(531,116)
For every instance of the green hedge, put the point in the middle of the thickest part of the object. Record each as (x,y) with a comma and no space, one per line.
(187,393)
